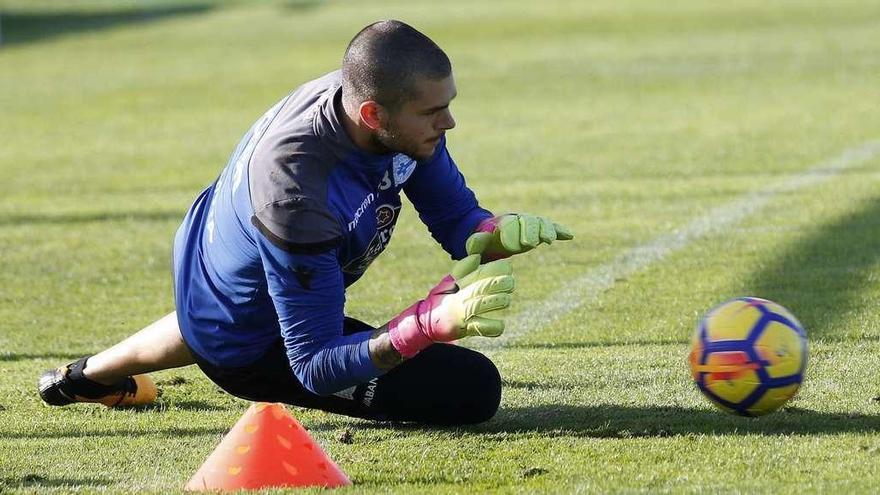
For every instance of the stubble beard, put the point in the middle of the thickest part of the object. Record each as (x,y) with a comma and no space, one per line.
(389,140)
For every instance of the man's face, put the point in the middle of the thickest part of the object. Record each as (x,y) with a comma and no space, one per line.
(416,127)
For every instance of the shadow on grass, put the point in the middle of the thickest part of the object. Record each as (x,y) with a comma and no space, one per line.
(80,218)
(614,421)
(32,26)
(821,277)
(36,481)
(185,405)
(80,433)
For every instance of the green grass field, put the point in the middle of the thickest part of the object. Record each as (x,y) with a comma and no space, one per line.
(700,150)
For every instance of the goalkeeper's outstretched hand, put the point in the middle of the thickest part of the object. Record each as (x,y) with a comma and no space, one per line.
(456,307)
(506,235)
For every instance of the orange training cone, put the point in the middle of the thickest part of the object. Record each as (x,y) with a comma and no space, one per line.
(267,448)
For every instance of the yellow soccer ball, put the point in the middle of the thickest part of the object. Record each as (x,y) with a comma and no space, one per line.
(748,356)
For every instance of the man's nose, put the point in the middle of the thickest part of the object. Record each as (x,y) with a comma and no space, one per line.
(446,120)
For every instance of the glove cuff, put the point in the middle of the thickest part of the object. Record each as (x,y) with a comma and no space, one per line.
(406,334)
(490,224)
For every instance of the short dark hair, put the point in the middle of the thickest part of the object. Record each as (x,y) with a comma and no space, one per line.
(383,61)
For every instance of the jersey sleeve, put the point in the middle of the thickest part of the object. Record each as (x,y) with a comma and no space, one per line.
(307,290)
(445,204)
(298,224)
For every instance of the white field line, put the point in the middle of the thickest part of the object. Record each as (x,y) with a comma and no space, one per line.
(587,287)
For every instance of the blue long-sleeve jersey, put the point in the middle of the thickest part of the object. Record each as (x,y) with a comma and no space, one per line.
(298,215)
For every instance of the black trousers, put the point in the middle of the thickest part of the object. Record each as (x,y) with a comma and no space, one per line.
(443,384)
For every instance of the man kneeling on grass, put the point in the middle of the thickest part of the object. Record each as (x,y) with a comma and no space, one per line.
(307,201)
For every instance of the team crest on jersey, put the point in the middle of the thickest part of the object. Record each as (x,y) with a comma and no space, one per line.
(385,215)
(386,218)
(402,167)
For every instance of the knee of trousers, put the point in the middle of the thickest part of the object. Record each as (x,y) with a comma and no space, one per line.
(443,384)
(482,389)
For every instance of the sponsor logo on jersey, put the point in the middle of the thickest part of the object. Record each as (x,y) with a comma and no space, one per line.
(360,211)
(386,218)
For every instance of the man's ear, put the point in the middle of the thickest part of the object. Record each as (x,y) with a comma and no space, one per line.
(373,115)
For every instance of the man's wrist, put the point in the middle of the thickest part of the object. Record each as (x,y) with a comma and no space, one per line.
(405,331)
(382,352)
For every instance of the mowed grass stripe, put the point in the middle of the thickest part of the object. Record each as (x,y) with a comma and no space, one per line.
(587,287)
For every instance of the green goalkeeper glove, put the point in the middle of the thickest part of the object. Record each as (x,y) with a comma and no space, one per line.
(455,308)
(506,235)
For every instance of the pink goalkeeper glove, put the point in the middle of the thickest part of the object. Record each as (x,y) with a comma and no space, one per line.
(506,235)
(455,307)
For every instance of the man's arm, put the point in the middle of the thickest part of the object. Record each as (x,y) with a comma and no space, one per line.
(310,309)
(308,293)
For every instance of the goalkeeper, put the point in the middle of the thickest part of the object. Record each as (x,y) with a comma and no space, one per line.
(307,201)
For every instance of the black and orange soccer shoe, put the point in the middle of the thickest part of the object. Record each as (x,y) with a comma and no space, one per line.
(67,384)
